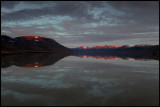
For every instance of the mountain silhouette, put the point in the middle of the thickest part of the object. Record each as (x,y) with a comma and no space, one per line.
(31,44)
(152,50)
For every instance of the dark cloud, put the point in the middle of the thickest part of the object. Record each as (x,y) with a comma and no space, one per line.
(133,6)
(78,10)
(138,11)
(96,21)
(9,4)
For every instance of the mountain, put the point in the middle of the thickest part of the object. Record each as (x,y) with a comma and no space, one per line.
(115,47)
(30,44)
(43,44)
(152,50)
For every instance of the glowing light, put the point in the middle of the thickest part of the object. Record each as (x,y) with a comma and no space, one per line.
(99,47)
(36,37)
(83,47)
(33,65)
(116,58)
(32,37)
(129,59)
(131,45)
(116,46)
(83,56)
(36,66)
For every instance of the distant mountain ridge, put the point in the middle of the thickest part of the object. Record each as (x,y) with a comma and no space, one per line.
(127,50)
(30,44)
(114,47)
(43,44)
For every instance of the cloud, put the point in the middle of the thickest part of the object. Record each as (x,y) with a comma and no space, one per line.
(82,21)
(9,4)
(138,11)
(77,10)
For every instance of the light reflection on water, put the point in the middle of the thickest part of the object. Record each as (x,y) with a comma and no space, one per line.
(74,81)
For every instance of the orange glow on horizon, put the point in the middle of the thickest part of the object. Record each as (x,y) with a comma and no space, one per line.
(131,45)
(109,46)
(36,37)
(36,66)
(83,47)
(32,65)
(129,59)
(116,46)
(32,37)
(98,47)
(84,56)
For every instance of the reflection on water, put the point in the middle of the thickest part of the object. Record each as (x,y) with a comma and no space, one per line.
(60,79)
(45,59)
(30,59)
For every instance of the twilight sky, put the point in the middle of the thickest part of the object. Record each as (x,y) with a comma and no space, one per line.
(90,23)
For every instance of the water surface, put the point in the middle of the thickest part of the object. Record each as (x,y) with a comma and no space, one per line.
(63,80)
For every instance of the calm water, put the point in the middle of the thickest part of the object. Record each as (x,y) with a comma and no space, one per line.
(74,81)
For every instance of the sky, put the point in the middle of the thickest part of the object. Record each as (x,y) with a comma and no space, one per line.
(83,23)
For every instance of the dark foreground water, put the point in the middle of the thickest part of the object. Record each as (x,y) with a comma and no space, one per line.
(75,81)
